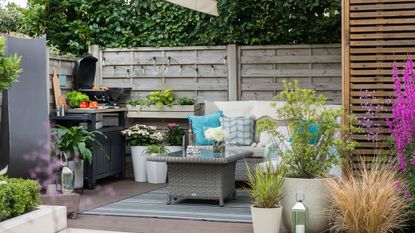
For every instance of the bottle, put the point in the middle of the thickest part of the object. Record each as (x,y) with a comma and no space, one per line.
(190,135)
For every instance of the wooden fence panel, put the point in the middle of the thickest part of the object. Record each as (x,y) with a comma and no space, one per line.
(263,68)
(375,33)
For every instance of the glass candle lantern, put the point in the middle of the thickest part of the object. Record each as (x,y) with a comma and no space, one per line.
(299,216)
(67,180)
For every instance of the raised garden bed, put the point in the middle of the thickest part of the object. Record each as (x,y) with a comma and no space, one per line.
(172,112)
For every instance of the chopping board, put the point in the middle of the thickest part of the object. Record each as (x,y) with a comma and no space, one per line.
(57,92)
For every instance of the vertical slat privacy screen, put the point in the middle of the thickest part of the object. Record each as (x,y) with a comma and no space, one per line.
(375,33)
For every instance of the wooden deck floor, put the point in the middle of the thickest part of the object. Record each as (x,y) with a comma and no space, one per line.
(114,190)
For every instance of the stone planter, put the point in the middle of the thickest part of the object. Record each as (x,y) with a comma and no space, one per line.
(44,219)
(139,159)
(316,199)
(266,220)
(172,112)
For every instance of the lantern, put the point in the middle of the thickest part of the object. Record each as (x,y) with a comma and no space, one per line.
(67,178)
(299,216)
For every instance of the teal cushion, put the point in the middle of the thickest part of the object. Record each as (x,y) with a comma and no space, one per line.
(201,123)
(313,130)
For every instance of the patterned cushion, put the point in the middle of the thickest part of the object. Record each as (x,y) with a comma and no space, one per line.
(241,130)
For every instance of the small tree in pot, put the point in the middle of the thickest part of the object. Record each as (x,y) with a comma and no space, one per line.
(76,143)
(317,141)
(266,190)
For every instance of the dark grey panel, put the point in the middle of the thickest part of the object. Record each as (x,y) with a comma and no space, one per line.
(25,110)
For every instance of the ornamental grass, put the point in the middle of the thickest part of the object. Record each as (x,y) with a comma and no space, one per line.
(370,200)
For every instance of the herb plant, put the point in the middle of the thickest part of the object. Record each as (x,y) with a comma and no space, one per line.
(160,98)
(9,67)
(137,102)
(75,98)
(156,149)
(185,100)
(174,134)
(75,141)
(265,184)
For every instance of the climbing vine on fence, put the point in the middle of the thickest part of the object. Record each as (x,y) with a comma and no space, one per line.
(72,25)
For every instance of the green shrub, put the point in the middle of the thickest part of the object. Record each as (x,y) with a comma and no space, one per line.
(185,100)
(17,196)
(9,67)
(137,102)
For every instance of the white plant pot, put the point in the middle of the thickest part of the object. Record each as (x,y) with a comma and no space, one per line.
(266,220)
(78,169)
(316,199)
(173,149)
(139,159)
(156,172)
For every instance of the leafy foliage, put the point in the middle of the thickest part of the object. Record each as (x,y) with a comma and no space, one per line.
(11,18)
(156,149)
(17,196)
(75,98)
(9,67)
(73,25)
(265,184)
(174,134)
(137,102)
(185,100)
(75,141)
(160,98)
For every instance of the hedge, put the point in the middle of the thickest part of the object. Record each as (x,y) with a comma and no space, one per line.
(17,196)
(73,25)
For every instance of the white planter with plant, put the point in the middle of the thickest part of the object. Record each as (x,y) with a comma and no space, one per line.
(218,136)
(317,141)
(139,137)
(174,137)
(156,171)
(76,143)
(266,190)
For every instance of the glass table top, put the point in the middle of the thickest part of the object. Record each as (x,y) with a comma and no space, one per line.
(206,154)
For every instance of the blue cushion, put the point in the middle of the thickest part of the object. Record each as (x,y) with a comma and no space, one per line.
(313,130)
(201,123)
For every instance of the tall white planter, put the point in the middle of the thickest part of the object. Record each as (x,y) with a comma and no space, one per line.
(173,149)
(316,199)
(266,220)
(139,159)
(78,169)
(156,172)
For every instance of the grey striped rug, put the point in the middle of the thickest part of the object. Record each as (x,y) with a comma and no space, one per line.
(153,205)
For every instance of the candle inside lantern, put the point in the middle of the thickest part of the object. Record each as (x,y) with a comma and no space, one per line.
(300,229)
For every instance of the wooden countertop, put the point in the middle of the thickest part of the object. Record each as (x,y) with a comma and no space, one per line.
(88,110)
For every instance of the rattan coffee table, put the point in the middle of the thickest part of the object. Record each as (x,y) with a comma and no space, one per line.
(209,176)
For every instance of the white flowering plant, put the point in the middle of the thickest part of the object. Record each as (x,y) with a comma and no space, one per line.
(142,135)
(216,134)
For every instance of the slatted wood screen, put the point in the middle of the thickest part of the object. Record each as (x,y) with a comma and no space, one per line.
(375,33)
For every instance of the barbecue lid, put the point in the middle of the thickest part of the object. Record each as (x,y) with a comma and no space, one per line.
(84,72)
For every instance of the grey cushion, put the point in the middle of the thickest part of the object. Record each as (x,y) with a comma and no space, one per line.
(241,130)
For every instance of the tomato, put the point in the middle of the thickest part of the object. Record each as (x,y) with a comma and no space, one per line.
(93,104)
(84,104)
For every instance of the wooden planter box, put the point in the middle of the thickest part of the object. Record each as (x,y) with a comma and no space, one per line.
(172,112)
(44,219)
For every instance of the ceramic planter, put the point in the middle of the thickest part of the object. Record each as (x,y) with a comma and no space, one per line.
(156,171)
(173,149)
(77,166)
(266,220)
(139,163)
(316,199)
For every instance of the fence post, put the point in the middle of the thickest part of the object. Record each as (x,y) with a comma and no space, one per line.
(232,58)
(94,51)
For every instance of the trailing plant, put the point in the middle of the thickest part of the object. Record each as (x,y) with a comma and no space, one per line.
(74,25)
(317,138)
(137,102)
(185,100)
(156,149)
(265,184)
(75,98)
(368,200)
(160,98)
(75,141)
(17,196)
(174,134)
(402,124)
(142,135)
(9,67)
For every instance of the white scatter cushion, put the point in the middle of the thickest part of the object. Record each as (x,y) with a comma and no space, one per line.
(241,130)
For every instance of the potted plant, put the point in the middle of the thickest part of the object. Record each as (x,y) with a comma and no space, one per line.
(317,141)
(218,136)
(156,171)
(139,137)
(76,143)
(174,137)
(266,190)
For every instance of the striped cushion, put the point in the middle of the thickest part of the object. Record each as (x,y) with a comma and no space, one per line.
(241,130)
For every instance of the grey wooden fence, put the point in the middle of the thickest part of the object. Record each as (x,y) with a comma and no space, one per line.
(222,72)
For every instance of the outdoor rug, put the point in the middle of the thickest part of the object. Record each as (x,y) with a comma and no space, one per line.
(153,205)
